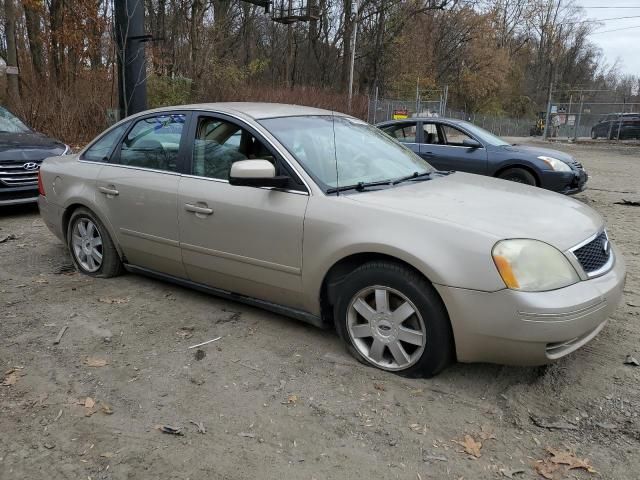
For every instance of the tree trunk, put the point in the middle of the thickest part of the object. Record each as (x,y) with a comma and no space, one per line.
(346,42)
(33,16)
(13,90)
(55,21)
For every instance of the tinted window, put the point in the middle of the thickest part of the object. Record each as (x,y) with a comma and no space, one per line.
(101,150)
(431,135)
(454,136)
(154,142)
(405,133)
(219,143)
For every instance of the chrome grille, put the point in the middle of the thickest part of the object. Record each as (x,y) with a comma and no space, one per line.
(594,255)
(15,175)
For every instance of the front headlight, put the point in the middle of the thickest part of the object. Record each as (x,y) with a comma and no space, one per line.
(532,265)
(555,164)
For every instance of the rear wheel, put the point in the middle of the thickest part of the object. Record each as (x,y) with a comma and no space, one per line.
(519,175)
(390,317)
(91,247)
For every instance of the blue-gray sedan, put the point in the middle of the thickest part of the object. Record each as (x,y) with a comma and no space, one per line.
(449,144)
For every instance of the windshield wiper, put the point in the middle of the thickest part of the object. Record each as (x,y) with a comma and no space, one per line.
(360,186)
(414,175)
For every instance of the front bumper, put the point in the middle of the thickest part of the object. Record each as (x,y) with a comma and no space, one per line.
(567,183)
(531,328)
(18,195)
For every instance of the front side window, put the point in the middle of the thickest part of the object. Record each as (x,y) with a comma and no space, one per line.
(431,135)
(219,143)
(405,133)
(338,151)
(101,150)
(154,142)
(454,136)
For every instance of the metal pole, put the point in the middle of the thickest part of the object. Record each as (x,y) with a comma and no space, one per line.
(132,72)
(375,106)
(620,121)
(566,121)
(577,124)
(548,115)
(417,96)
(353,48)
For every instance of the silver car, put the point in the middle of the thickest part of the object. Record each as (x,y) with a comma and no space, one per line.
(322,217)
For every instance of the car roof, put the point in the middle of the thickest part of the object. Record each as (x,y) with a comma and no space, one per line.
(424,119)
(255,110)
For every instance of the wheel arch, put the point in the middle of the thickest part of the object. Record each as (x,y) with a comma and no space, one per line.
(75,205)
(342,267)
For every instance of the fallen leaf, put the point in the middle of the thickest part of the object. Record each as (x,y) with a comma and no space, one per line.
(89,402)
(112,300)
(95,362)
(546,469)
(631,360)
(169,429)
(379,386)
(486,433)
(471,446)
(106,409)
(107,455)
(185,332)
(292,399)
(569,458)
(10,377)
(507,472)
(247,435)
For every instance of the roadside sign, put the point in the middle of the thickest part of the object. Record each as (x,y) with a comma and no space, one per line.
(12,70)
(400,114)
(571,120)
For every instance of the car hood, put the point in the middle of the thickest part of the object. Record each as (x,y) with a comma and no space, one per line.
(28,146)
(499,208)
(535,152)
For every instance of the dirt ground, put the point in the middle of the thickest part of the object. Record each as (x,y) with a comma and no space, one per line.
(281,399)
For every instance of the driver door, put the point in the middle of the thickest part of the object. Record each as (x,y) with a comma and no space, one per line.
(447,152)
(245,240)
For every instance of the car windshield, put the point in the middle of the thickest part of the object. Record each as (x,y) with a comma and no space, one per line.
(340,151)
(483,135)
(9,123)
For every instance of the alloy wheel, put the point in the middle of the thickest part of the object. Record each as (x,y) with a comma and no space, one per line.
(87,244)
(386,328)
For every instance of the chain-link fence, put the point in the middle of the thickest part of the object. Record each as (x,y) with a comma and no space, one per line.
(594,114)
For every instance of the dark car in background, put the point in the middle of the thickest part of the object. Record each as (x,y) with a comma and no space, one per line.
(457,145)
(22,150)
(626,124)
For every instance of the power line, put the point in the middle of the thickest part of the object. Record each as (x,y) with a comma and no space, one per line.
(590,8)
(616,30)
(601,20)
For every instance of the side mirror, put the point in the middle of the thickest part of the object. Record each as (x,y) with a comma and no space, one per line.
(471,143)
(256,173)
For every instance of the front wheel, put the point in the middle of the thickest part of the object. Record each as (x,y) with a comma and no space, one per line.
(391,317)
(91,247)
(519,175)
(593,135)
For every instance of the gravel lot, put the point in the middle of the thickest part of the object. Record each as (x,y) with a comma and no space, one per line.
(280,399)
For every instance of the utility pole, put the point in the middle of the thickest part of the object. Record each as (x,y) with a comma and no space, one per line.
(354,12)
(132,72)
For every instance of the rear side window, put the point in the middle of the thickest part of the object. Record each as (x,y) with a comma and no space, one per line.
(101,150)
(154,142)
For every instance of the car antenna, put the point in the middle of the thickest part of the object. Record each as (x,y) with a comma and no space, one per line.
(335,150)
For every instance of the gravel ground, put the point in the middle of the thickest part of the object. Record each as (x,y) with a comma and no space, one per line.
(280,399)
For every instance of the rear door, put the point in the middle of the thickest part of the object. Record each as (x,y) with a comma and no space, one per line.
(138,191)
(245,240)
(447,151)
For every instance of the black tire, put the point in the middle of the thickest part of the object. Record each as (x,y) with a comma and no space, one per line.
(594,135)
(519,175)
(438,349)
(111,265)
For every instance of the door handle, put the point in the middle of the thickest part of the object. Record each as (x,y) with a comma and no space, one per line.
(198,209)
(108,191)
